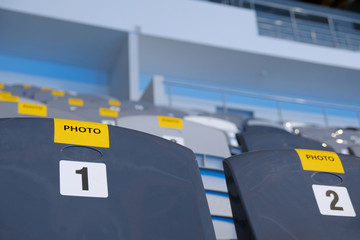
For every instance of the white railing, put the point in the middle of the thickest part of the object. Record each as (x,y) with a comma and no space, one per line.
(282,20)
(170,85)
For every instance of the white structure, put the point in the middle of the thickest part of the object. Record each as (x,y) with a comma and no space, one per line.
(108,47)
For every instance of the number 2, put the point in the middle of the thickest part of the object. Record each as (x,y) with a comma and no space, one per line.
(84,177)
(334,201)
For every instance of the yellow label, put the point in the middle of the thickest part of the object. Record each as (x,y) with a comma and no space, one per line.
(2,86)
(76,102)
(81,133)
(44,89)
(58,93)
(170,122)
(9,98)
(106,112)
(4,93)
(324,161)
(32,109)
(115,103)
(26,86)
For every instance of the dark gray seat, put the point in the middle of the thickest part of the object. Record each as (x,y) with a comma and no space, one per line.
(64,179)
(210,146)
(32,108)
(22,90)
(267,138)
(273,197)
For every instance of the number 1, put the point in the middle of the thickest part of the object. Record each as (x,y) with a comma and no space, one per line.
(84,177)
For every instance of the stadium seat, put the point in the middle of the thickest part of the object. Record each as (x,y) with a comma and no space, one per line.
(46,95)
(262,125)
(341,139)
(294,194)
(257,138)
(131,108)
(63,179)
(22,107)
(100,114)
(228,123)
(355,150)
(210,146)
(22,90)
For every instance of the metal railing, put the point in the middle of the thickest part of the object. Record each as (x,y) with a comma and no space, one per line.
(286,21)
(277,99)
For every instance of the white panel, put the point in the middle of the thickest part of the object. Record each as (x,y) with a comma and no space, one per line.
(224,229)
(214,183)
(219,205)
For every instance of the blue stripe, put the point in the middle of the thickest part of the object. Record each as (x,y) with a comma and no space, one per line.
(217,193)
(212,173)
(52,70)
(223,219)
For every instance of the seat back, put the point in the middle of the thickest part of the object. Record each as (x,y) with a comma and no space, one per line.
(294,194)
(257,140)
(64,179)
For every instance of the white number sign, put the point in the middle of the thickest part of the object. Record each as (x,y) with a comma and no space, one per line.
(83,179)
(333,201)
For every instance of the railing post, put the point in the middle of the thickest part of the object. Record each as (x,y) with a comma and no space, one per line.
(358,113)
(326,120)
(170,95)
(293,24)
(224,102)
(333,31)
(278,105)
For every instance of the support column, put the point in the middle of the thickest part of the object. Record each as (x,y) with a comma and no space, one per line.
(124,75)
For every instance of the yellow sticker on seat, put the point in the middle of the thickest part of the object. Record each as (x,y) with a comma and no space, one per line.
(32,109)
(26,86)
(81,133)
(113,102)
(44,89)
(76,102)
(58,93)
(2,86)
(323,161)
(106,112)
(170,122)
(5,93)
(10,98)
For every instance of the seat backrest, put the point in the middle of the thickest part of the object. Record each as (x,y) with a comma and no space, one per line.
(31,108)
(98,114)
(63,179)
(253,140)
(294,194)
(224,125)
(199,138)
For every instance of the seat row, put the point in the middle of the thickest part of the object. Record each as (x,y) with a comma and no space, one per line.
(81,153)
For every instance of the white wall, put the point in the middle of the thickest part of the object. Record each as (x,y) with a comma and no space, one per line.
(185,20)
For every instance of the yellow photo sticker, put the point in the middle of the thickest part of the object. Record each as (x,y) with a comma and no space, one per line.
(106,112)
(32,109)
(26,86)
(81,133)
(113,102)
(10,98)
(2,86)
(170,122)
(75,102)
(45,89)
(323,161)
(5,93)
(58,93)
